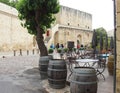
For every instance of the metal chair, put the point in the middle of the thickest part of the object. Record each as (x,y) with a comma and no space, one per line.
(70,62)
(101,66)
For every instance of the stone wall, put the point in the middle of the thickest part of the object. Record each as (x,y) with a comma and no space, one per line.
(12,35)
(72,17)
(118,47)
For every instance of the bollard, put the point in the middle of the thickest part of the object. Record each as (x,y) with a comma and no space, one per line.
(33,51)
(14,52)
(20,52)
(27,52)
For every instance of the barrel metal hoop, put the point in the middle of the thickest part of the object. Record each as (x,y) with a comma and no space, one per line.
(57,69)
(82,74)
(57,79)
(83,83)
(56,64)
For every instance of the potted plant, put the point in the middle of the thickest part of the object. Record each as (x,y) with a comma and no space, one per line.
(65,50)
(59,50)
(50,50)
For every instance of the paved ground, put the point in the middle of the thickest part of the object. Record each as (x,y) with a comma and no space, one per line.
(20,74)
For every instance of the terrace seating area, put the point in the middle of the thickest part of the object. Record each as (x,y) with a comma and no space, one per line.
(88,59)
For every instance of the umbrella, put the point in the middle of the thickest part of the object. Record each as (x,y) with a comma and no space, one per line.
(101,42)
(94,41)
(111,43)
(106,42)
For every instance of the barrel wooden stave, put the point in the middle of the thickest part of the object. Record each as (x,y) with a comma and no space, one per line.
(83,80)
(57,73)
(43,66)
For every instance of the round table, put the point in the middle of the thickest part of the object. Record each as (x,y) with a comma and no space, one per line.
(87,61)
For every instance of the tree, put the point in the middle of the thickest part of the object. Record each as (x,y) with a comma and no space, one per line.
(5,2)
(100,31)
(13,3)
(38,15)
(10,2)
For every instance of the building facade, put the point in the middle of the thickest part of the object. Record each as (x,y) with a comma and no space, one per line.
(71,25)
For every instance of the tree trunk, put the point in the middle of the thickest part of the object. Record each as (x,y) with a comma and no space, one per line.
(40,42)
(39,36)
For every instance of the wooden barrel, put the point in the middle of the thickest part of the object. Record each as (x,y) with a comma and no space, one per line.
(57,73)
(43,66)
(83,80)
(110,65)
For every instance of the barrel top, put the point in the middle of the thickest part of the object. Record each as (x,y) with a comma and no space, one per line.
(57,61)
(82,70)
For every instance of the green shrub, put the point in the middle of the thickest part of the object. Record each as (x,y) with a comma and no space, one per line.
(50,50)
(74,49)
(65,49)
(59,50)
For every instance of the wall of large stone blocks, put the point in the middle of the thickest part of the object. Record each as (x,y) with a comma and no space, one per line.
(118,48)
(12,35)
(72,17)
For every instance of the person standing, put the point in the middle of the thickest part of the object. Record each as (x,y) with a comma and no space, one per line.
(57,45)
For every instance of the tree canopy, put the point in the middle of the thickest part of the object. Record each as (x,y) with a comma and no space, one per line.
(37,16)
(10,2)
(101,37)
(45,9)
(101,30)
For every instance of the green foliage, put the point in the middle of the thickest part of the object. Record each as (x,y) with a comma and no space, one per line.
(102,31)
(99,31)
(13,3)
(66,49)
(50,50)
(59,50)
(5,2)
(74,49)
(10,2)
(29,10)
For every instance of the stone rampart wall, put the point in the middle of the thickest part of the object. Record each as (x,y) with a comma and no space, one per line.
(12,35)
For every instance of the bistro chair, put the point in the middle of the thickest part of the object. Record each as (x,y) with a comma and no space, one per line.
(100,67)
(71,63)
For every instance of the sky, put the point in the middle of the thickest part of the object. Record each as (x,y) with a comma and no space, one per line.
(101,10)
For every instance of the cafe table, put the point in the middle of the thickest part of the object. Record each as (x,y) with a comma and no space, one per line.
(94,62)
(87,62)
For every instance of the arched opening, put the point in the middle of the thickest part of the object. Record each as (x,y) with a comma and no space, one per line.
(56,37)
(79,39)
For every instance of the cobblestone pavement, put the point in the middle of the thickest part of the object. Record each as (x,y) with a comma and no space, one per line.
(20,74)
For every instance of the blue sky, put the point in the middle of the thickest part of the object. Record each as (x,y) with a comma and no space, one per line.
(101,10)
